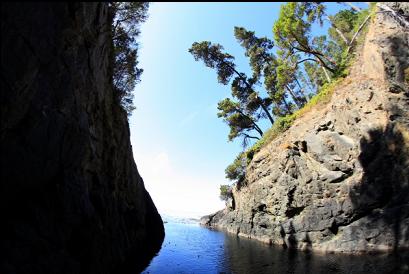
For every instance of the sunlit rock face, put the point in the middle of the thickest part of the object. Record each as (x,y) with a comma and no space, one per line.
(71,198)
(338,179)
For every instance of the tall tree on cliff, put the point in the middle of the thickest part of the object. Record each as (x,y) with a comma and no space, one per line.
(240,122)
(264,67)
(127,17)
(292,32)
(242,113)
(249,105)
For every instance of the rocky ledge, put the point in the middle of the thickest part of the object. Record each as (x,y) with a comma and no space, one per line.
(338,179)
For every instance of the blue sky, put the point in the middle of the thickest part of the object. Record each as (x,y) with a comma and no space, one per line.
(179,144)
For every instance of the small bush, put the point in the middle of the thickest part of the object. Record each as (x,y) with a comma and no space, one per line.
(225,192)
(237,170)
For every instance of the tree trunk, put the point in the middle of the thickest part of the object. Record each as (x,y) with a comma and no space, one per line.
(256,127)
(357,32)
(335,27)
(251,137)
(337,30)
(287,107)
(301,89)
(295,99)
(326,73)
(261,104)
(248,86)
(329,59)
(267,112)
(310,83)
(307,49)
(318,55)
(341,35)
(324,68)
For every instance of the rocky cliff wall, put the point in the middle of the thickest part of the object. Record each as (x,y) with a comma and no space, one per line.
(71,198)
(338,179)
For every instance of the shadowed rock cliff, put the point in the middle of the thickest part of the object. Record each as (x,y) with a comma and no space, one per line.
(71,198)
(338,179)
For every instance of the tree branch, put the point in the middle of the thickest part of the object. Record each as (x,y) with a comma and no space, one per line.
(308,49)
(304,60)
(256,127)
(357,32)
(251,137)
(337,30)
(249,87)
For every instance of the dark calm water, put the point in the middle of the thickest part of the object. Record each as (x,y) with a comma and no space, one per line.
(189,248)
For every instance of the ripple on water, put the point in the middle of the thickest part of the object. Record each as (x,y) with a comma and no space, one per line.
(189,248)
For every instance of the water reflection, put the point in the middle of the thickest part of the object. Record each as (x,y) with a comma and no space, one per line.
(248,256)
(190,248)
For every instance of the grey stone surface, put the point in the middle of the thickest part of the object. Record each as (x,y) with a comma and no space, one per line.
(338,179)
(71,198)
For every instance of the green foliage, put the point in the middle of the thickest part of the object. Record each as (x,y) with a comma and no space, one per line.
(315,74)
(258,50)
(281,125)
(225,192)
(240,113)
(237,170)
(127,17)
(243,111)
(361,16)
(302,65)
(349,22)
(323,96)
(284,123)
(292,32)
(291,29)
(213,57)
(345,21)
(262,62)
(240,124)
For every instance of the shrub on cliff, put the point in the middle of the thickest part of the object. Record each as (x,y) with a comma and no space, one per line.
(225,192)
(237,170)
(127,17)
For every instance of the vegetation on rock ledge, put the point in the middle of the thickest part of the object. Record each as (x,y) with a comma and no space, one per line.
(291,73)
(225,192)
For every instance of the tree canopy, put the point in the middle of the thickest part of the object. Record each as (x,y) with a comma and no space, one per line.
(225,192)
(125,28)
(286,70)
(247,106)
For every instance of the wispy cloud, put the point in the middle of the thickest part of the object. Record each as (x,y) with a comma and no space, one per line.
(204,110)
(188,119)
